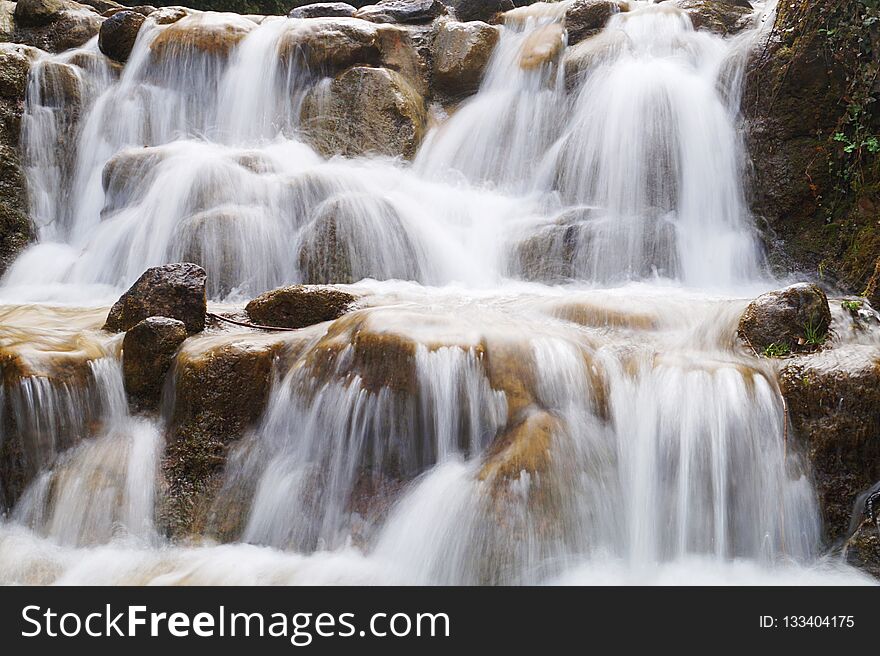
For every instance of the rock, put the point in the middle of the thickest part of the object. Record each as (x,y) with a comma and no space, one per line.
(102,6)
(168,15)
(176,291)
(717,16)
(330,45)
(147,353)
(37,13)
(409,50)
(872,291)
(323,10)
(797,317)
(585,18)
(209,33)
(298,4)
(402,11)
(543,46)
(126,175)
(833,401)
(480,10)
(365,111)
(462,51)
(298,306)
(60,86)
(72,28)
(222,385)
(862,550)
(521,448)
(16,228)
(118,34)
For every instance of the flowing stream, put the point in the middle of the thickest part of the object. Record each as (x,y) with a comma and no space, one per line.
(562,266)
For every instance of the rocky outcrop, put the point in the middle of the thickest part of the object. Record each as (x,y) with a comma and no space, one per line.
(323,10)
(793,319)
(365,111)
(298,306)
(16,228)
(808,96)
(176,291)
(147,352)
(462,51)
(833,400)
(586,18)
(402,11)
(118,34)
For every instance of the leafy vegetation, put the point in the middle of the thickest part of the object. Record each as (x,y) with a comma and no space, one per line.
(777,350)
(852,306)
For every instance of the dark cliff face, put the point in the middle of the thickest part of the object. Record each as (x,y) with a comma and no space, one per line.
(812,128)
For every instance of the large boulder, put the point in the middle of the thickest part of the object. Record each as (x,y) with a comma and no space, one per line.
(365,111)
(298,306)
(833,401)
(202,33)
(585,18)
(54,25)
(323,10)
(719,16)
(402,11)
(462,52)
(330,45)
(480,10)
(176,291)
(147,353)
(794,318)
(36,13)
(118,34)
(16,228)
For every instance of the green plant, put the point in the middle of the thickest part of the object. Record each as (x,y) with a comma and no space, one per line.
(852,306)
(813,334)
(777,350)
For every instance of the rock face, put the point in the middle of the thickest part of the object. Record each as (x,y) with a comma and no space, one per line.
(819,203)
(833,400)
(584,18)
(298,306)
(402,11)
(797,317)
(365,111)
(16,229)
(176,291)
(323,10)
(118,34)
(462,51)
(479,10)
(147,353)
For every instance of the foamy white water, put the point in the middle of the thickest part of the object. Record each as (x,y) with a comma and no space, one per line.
(563,262)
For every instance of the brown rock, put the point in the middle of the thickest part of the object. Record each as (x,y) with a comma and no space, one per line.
(147,353)
(118,34)
(329,45)
(323,10)
(195,32)
(585,18)
(797,317)
(402,11)
(298,306)
(462,52)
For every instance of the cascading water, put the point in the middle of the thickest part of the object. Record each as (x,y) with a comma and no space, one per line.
(471,425)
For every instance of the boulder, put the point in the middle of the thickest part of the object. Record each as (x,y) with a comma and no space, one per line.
(298,4)
(16,228)
(480,10)
(543,46)
(717,16)
(833,402)
(462,52)
(402,11)
(147,353)
(796,318)
(37,13)
(365,111)
(203,33)
(330,45)
(298,306)
(323,10)
(409,50)
(118,34)
(168,15)
(176,291)
(585,18)
(103,6)
(60,86)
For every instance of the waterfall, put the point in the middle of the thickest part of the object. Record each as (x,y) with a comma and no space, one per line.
(538,383)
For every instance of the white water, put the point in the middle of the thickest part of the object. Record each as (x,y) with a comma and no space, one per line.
(664,458)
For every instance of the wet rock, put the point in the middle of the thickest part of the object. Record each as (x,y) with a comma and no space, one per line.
(205,33)
(402,11)
(409,50)
(298,306)
(585,18)
(480,10)
(543,46)
(118,34)
(462,51)
(36,13)
(103,6)
(54,25)
(16,228)
(833,401)
(61,87)
(365,111)
(797,317)
(862,550)
(323,10)
(580,58)
(330,45)
(872,291)
(521,448)
(147,353)
(168,15)
(222,385)
(126,175)
(717,16)
(176,291)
